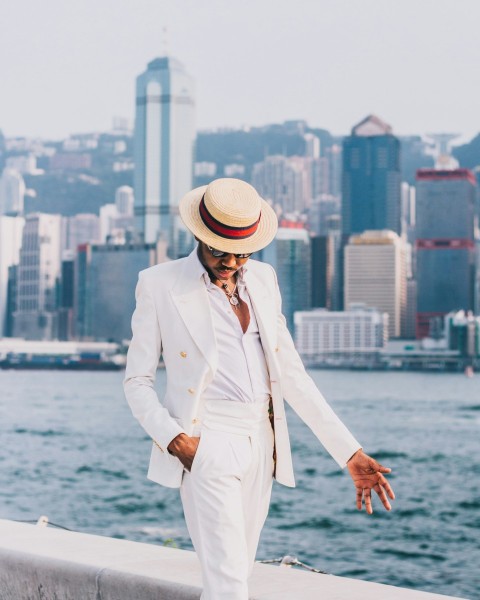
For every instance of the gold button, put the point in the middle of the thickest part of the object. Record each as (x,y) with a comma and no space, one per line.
(191,391)
(194,421)
(276,349)
(183,354)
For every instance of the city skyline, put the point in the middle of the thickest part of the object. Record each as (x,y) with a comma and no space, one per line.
(253,64)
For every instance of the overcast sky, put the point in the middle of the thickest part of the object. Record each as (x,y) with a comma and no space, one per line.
(70,66)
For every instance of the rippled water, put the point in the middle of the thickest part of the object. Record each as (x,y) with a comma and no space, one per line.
(71,450)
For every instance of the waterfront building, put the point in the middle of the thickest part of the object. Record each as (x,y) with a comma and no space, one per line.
(290,255)
(163,147)
(321,252)
(11,231)
(105,280)
(371,178)
(12,193)
(411,315)
(65,330)
(446,239)
(35,317)
(325,266)
(355,337)
(462,333)
(375,274)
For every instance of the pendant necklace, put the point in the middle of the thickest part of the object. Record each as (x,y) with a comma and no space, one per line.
(232,295)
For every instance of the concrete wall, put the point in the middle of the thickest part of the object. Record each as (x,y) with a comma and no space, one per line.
(44,563)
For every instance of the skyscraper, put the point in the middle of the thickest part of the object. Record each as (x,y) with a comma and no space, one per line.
(11,229)
(290,255)
(446,235)
(164,140)
(106,275)
(375,274)
(371,178)
(12,193)
(285,181)
(35,317)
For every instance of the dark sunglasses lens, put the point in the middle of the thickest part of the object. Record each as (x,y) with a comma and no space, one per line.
(220,254)
(217,253)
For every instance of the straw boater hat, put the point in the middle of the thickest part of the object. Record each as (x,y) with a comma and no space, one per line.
(229,215)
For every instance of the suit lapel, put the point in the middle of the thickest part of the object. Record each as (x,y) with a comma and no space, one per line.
(190,297)
(261,298)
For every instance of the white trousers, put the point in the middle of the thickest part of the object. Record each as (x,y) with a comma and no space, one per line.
(226,494)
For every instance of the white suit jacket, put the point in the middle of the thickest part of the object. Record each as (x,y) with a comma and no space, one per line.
(173,318)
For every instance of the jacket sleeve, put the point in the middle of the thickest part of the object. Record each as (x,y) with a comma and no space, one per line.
(300,391)
(142,362)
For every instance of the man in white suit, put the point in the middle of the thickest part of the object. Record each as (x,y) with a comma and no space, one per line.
(230,363)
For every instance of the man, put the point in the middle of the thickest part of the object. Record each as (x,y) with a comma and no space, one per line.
(216,318)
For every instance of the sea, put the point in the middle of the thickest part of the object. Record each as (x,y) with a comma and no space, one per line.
(71,450)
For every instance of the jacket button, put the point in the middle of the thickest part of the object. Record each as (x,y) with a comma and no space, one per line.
(194,421)
(183,354)
(277,349)
(191,391)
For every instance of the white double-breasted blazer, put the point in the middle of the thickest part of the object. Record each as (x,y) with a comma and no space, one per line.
(173,319)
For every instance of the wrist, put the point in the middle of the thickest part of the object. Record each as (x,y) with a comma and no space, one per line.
(176,444)
(355,454)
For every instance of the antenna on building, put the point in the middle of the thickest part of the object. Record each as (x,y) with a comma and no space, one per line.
(164,41)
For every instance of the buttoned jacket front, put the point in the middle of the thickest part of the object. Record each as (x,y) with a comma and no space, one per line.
(173,319)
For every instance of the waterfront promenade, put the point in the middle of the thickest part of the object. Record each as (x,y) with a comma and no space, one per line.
(52,564)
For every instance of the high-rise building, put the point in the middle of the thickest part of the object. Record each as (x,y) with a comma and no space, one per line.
(321,251)
(285,181)
(79,229)
(446,238)
(11,229)
(290,255)
(124,200)
(164,145)
(375,274)
(105,280)
(38,276)
(12,192)
(371,178)
(66,328)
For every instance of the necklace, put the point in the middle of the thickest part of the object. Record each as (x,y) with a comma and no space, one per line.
(232,295)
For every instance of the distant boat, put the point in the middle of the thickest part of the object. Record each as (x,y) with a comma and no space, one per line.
(469,371)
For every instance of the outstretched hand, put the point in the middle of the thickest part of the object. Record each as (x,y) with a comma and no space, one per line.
(367,474)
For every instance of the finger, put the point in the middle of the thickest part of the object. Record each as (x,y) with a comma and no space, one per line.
(383,497)
(367,495)
(384,483)
(359,498)
(380,468)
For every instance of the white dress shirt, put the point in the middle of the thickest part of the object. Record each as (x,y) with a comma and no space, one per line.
(242,373)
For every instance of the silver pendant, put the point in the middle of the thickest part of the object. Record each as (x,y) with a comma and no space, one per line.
(234,300)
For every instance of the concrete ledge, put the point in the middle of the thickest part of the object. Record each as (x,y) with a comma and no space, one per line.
(42,563)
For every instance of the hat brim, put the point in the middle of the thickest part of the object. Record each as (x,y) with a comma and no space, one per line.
(190,214)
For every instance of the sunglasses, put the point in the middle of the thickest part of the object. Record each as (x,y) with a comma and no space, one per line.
(220,254)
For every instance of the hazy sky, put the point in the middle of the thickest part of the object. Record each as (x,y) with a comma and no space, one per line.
(71,66)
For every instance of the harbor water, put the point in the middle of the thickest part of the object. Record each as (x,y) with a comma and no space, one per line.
(70,449)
